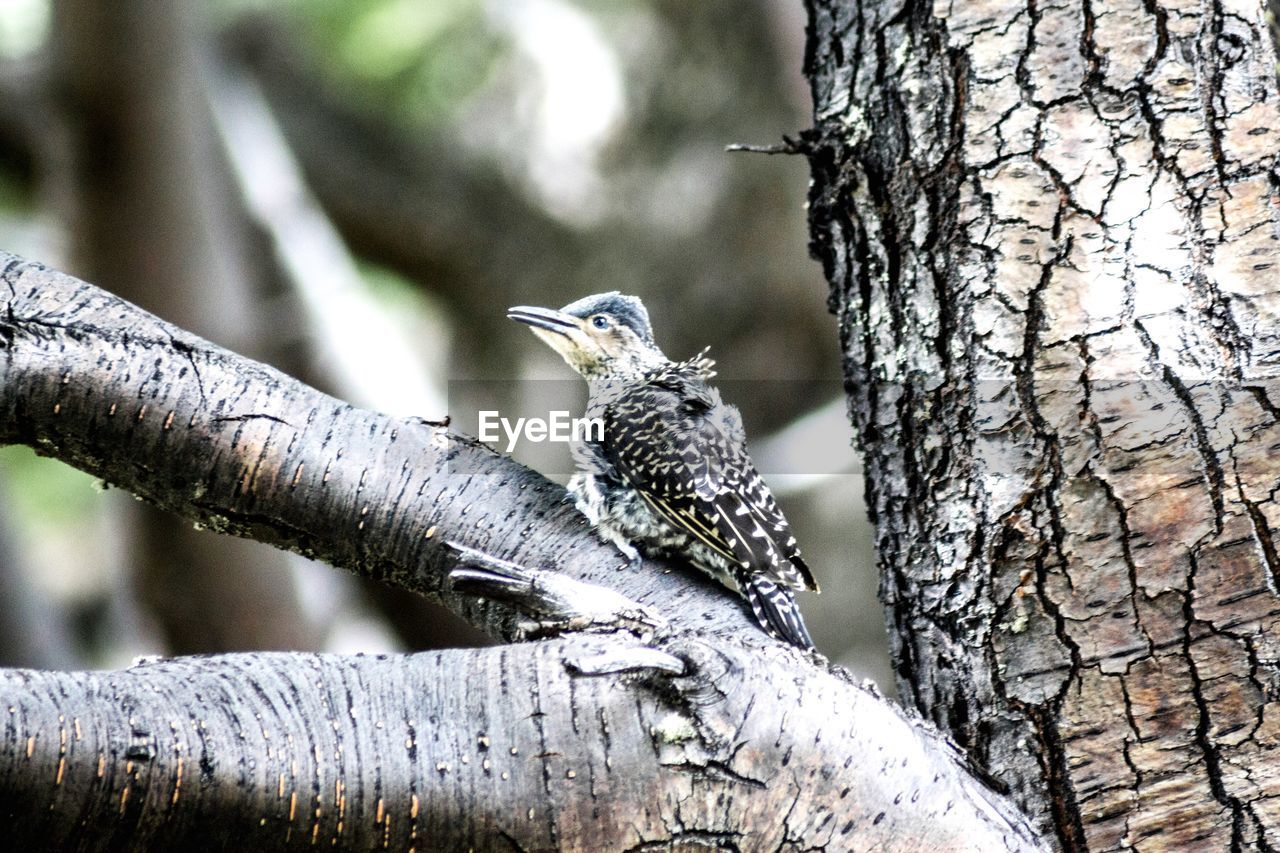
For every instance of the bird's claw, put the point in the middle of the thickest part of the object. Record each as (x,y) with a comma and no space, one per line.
(634,558)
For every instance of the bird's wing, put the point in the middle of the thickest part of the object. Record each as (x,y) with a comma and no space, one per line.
(682,449)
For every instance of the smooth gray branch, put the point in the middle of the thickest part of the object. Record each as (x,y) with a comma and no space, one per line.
(557,602)
(241,448)
(708,731)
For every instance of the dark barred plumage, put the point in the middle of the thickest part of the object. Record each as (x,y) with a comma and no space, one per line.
(672,474)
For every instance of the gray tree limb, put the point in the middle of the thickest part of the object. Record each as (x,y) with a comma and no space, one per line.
(709,733)
(284,751)
(238,447)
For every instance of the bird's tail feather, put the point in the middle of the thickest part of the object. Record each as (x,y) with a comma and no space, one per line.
(776,611)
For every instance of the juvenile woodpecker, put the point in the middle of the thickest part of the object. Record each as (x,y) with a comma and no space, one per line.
(672,475)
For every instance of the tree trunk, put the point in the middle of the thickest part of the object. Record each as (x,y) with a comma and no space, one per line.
(1051,236)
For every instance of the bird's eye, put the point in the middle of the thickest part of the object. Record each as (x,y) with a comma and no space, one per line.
(600,321)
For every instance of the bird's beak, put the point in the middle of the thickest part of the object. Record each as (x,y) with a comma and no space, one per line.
(564,333)
(547,319)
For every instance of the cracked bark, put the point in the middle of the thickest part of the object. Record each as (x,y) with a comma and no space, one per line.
(1050,231)
(541,745)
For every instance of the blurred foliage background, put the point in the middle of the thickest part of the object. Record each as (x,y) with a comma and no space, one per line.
(354,191)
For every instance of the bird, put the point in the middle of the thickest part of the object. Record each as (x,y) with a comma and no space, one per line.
(669,474)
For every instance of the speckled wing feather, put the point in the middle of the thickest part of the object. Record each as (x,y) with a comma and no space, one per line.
(684,451)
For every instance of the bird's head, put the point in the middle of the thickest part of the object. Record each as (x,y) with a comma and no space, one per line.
(601,336)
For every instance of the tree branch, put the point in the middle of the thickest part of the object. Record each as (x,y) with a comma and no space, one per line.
(238,447)
(280,751)
(557,603)
(709,730)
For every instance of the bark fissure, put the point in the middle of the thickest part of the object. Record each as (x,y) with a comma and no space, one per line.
(1212,757)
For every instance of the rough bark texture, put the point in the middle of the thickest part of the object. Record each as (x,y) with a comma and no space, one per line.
(581,743)
(524,753)
(1051,234)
